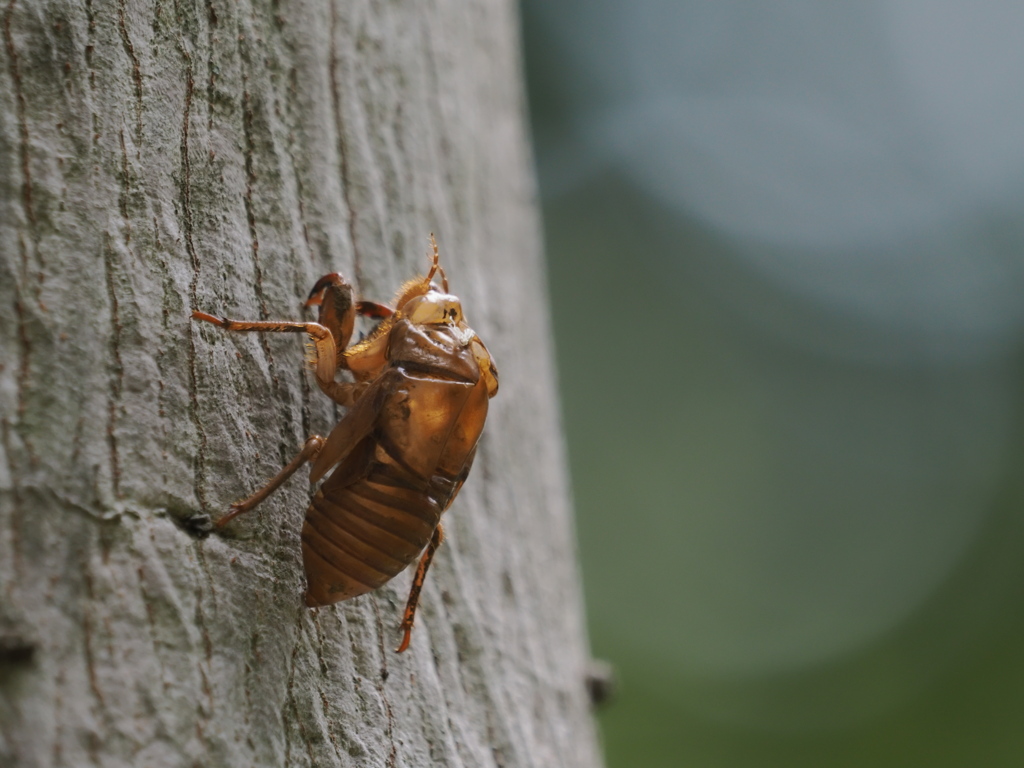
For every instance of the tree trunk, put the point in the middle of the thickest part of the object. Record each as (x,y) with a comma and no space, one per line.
(162,156)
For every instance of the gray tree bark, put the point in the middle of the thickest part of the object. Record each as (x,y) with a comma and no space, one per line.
(161,156)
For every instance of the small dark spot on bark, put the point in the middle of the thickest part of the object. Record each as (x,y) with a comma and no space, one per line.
(199,525)
(16,650)
(600,681)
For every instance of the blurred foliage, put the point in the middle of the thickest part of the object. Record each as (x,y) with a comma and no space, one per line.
(943,687)
(796,552)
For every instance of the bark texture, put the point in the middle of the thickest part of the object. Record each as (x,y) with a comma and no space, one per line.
(162,156)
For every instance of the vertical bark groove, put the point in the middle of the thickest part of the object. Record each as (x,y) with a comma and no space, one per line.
(117,369)
(19,103)
(129,49)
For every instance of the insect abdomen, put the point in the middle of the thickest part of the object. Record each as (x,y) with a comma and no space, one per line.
(359,536)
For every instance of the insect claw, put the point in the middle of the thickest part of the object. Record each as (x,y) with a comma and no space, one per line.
(374,310)
(234,511)
(316,296)
(405,641)
(221,321)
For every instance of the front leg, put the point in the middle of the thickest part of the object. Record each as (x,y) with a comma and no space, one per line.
(326,363)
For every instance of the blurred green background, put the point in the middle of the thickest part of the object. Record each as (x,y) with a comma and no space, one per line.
(786,248)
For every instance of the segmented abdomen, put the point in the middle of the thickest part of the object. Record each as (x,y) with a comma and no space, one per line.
(358,536)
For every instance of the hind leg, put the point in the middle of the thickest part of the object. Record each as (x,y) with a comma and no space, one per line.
(417,587)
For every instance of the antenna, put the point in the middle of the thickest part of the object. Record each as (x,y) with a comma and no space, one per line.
(436,263)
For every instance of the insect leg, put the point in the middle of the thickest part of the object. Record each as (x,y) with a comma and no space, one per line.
(333,294)
(308,452)
(374,310)
(417,586)
(347,392)
(323,340)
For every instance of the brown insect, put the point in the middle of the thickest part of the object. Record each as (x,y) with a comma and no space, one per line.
(417,405)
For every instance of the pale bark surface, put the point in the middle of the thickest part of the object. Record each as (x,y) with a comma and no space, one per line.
(159,157)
